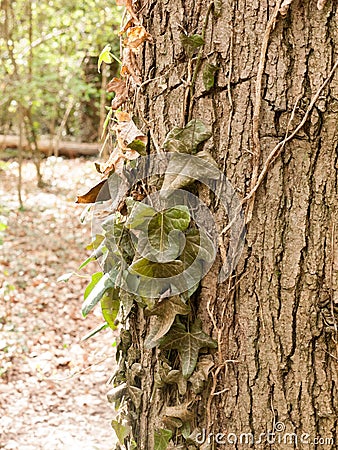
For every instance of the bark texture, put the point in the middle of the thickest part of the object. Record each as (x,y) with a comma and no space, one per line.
(277,360)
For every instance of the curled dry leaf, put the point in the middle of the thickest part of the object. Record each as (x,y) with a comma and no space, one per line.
(129,65)
(136,36)
(101,189)
(127,132)
(130,8)
(121,92)
(128,25)
(117,159)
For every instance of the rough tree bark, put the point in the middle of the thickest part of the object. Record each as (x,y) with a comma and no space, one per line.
(277,360)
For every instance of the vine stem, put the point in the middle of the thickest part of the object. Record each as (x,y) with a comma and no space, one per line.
(199,60)
(258,104)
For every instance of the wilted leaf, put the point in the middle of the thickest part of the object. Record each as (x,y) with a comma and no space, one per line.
(121,92)
(101,189)
(162,438)
(129,5)
(136,36)
(165,311)
(96,293)
(209,76)
(121,430)
(187,139)
(191,43)
(188,345)
(201,374)
(127,132)
(139,146)
(104,56)
(180,411)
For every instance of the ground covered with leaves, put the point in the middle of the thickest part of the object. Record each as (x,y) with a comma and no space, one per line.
(52,385)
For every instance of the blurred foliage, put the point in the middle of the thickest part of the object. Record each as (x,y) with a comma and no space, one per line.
(44,49)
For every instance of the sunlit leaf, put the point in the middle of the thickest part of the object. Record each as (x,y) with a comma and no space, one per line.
(100,190)
(104,283)
(121,430)
(110,305)
(104,57)
(121,92)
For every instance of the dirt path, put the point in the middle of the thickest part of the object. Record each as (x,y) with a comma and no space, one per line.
(41,405)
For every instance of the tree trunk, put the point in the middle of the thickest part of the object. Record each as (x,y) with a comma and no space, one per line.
(275,370)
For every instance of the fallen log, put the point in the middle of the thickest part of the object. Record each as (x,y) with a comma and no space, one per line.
(46,145)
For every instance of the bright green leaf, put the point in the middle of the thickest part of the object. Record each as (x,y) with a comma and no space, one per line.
(121,430)
(104,57)
(110,305)
(96,292)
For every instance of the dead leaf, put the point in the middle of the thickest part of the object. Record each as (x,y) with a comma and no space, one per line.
(129,65)
(180,411)
(122,116)
(130,8)
(101,189)
(127,132)
(128,25)
(136,36)
(121,92)
(116,160)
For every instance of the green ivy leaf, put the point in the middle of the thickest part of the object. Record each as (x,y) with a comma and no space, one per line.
(139,146)
(183,170)
(164,239)
(165,312)
(191,43)
(162,438)
(96,289)
(188,345)
(105,56)
(121,430)
(209,76)
(187,139)
(110,306)
(139,216)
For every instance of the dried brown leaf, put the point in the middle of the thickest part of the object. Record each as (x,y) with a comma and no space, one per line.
(136,36)
(121,92)
(127,132)
(128,25)
(101,188)
(130,8)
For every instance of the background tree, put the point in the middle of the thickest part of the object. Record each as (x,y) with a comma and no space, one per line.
(262,75)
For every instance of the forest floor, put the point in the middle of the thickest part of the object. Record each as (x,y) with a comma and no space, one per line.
(52,385)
